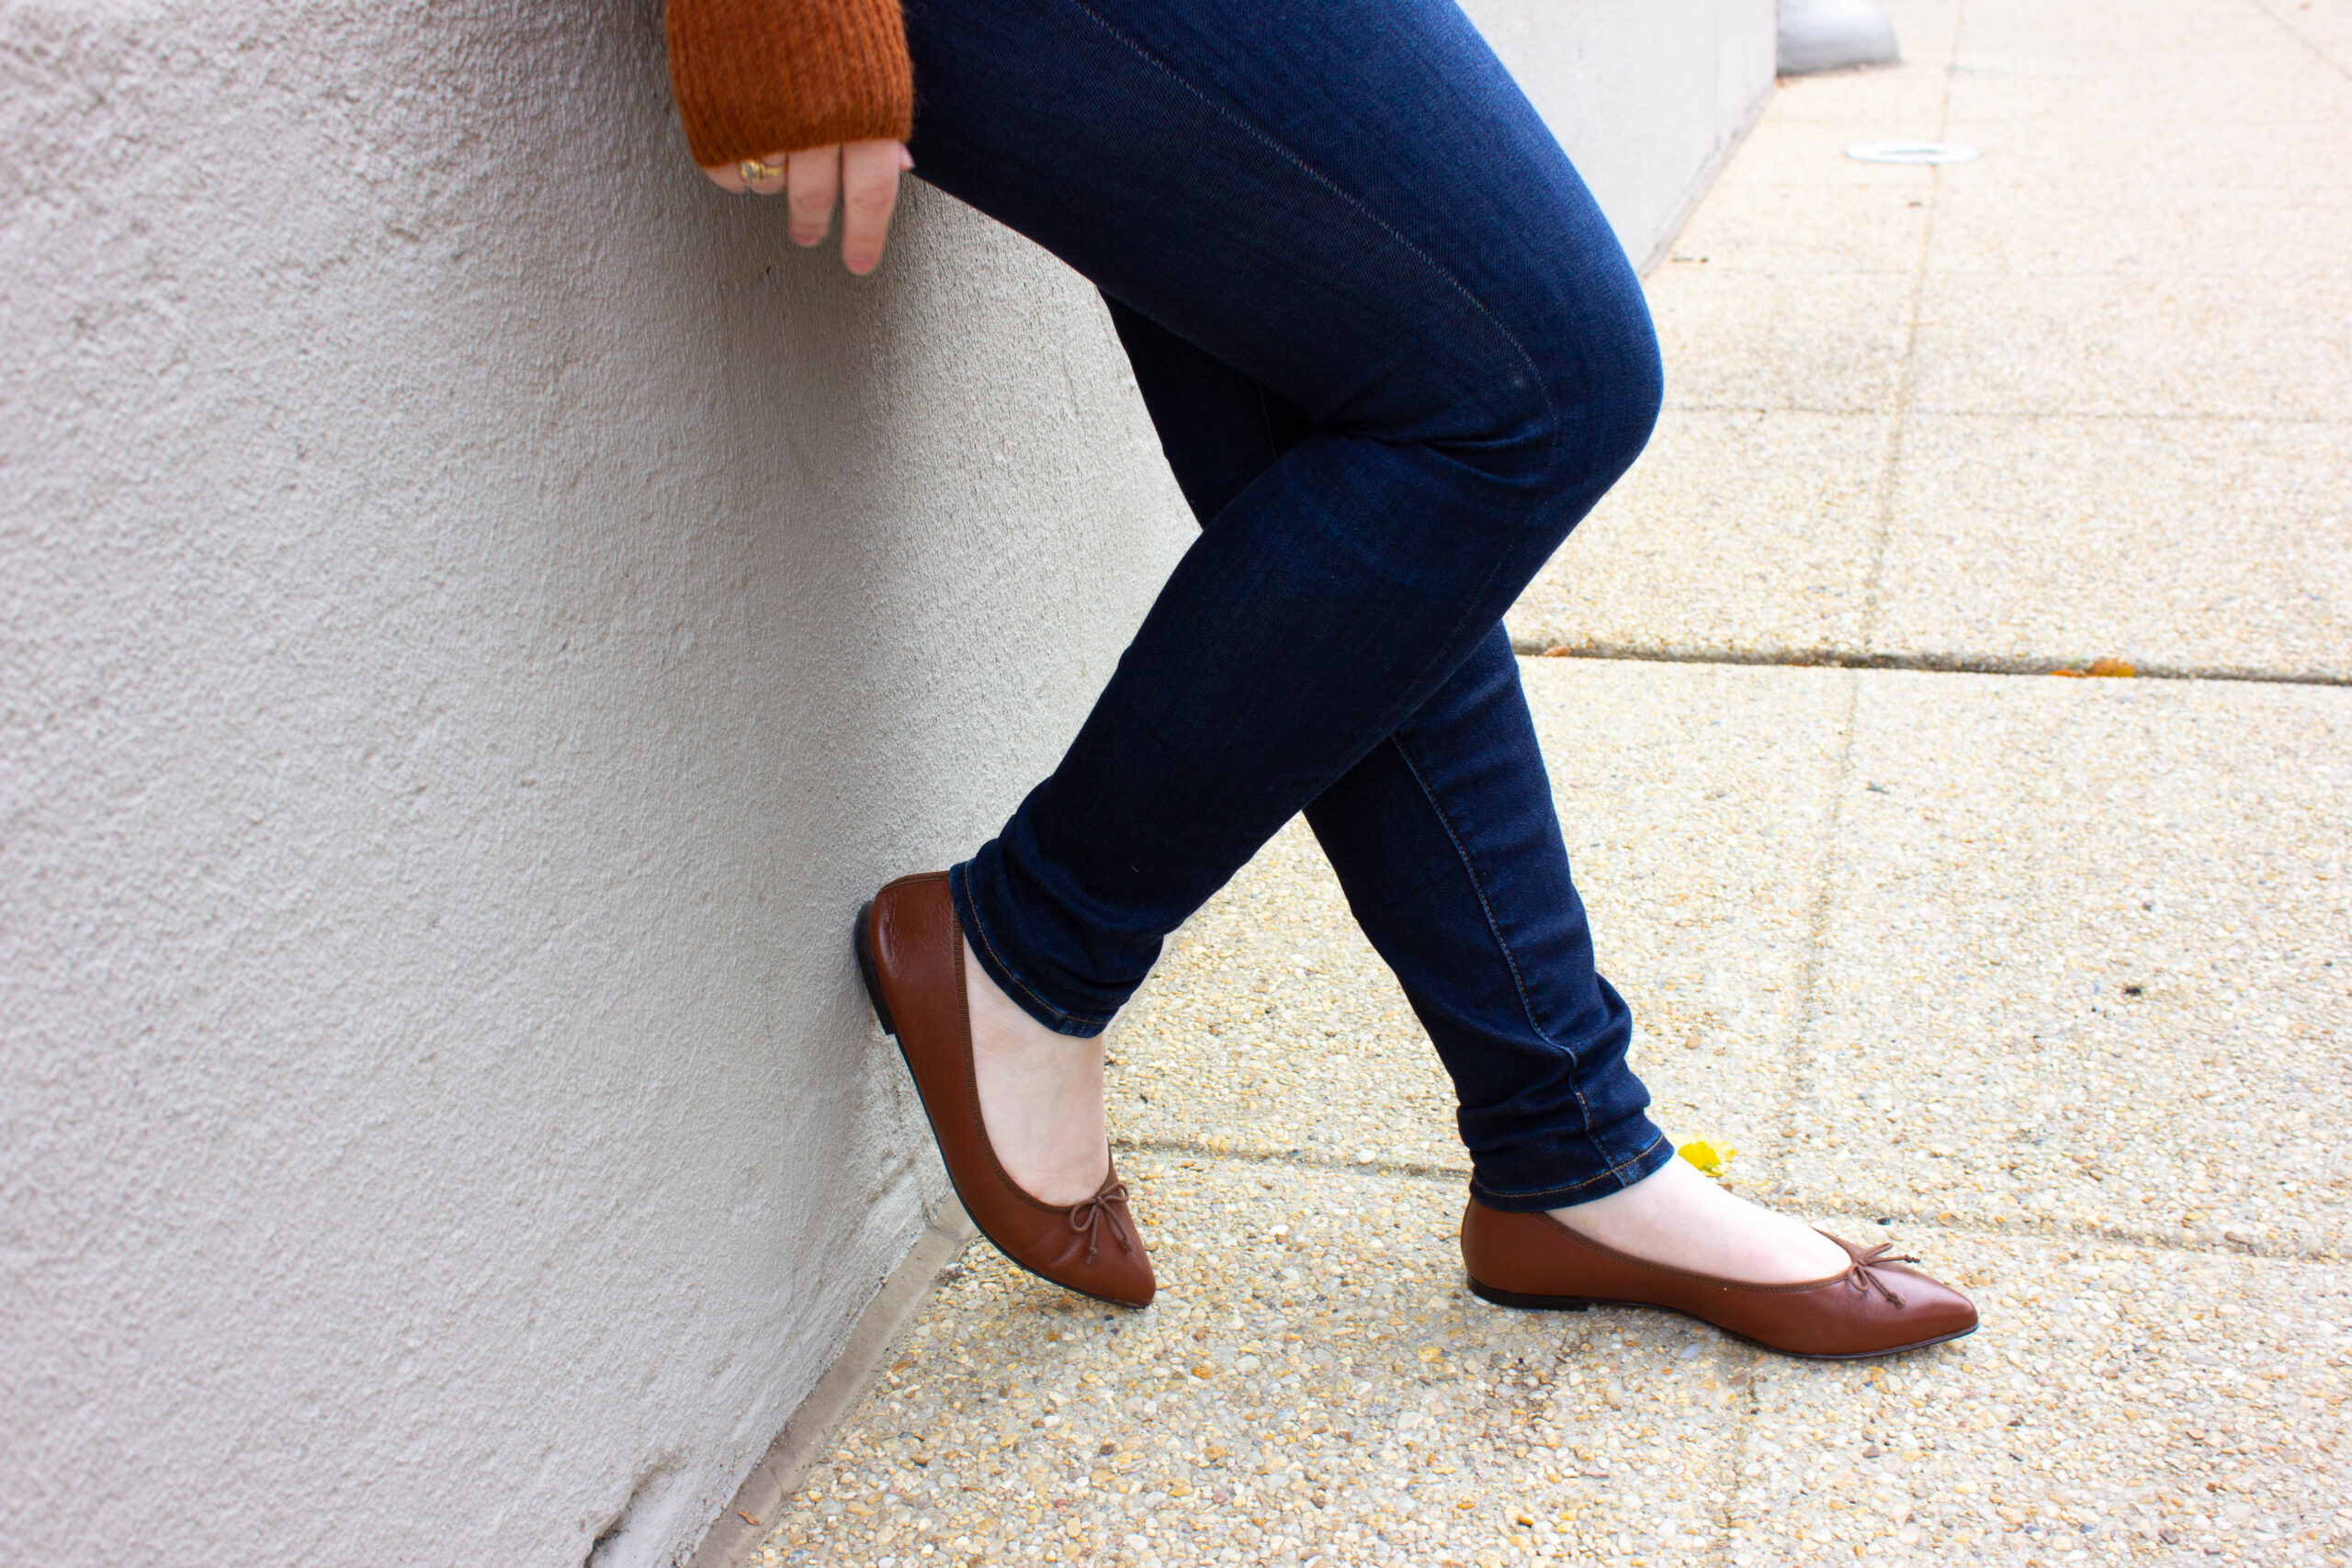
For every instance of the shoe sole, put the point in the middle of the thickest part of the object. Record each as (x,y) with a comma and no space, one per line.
(1579,1303)
(857,941)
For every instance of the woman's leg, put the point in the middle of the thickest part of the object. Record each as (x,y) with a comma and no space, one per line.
(1444,838)
(1446,842)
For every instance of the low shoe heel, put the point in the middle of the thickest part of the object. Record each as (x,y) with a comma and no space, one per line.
(1534,1303)
(859,943)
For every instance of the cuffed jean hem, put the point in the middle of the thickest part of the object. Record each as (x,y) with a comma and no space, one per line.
(1082,1026)
(1651,1152)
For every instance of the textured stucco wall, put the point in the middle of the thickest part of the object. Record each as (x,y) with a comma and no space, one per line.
(476,610)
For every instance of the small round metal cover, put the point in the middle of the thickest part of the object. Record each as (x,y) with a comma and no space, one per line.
(1912,152)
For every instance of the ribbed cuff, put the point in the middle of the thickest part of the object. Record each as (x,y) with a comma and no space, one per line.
(758,77)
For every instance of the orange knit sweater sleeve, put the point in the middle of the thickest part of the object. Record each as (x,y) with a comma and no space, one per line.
(758,77)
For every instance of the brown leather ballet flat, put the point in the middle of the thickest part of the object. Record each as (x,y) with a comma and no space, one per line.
(1877,1307)
(910,952)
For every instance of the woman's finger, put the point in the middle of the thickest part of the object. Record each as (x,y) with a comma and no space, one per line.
(864,176)
(870,171)
(730,176)
(768,184)
(816,180)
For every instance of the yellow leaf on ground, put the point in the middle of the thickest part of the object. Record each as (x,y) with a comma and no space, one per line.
(1706,1155)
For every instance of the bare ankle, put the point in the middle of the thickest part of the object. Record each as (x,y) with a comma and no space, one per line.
(1041,1095)
(1678,1217)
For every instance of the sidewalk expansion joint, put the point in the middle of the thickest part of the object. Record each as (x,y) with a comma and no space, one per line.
(2063,1232)
(2300,37)
(1301,1158)
(2058,1233)
(2269,417)
(1929,664)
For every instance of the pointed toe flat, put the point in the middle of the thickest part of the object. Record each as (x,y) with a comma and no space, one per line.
(1877,1306)
(911,954)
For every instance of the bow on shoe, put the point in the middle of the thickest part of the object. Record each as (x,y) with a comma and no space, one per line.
(1860,1275)
(1105,1206)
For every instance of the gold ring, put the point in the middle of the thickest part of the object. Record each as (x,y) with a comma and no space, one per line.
(753,171)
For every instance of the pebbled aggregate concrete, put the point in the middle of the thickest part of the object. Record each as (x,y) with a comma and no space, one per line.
(2121,1405)
(1312,1384)
(2044,980)
(2193,347)
(2147,1034)
(2221,545)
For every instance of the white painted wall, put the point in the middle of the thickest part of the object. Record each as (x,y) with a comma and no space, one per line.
(476,611)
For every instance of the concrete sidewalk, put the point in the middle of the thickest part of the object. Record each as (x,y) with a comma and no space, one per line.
(2048,979)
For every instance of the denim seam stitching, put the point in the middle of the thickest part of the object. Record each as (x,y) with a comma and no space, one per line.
(1014,975)
(1641,1154)
(1543,387)
(1510,961)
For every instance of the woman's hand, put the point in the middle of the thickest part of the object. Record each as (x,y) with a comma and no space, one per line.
(864,175)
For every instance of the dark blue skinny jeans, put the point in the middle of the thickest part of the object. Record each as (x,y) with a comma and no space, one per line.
(1394,354)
